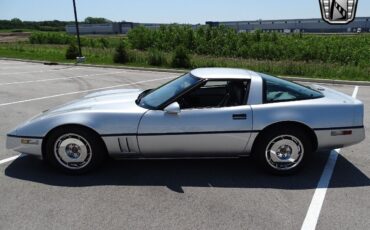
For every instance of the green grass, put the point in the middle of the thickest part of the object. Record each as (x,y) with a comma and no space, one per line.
(332,57)
(33,52)
(104,56)
(290,68)
(226,42)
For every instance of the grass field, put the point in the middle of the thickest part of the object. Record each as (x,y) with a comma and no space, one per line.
(330,57)
(56,53)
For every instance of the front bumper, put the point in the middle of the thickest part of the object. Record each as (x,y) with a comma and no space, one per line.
(27,145)
(328,140)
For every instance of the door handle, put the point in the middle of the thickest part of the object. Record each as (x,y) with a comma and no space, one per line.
(241,116)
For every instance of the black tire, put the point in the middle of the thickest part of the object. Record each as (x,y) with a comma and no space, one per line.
(272,138)
(94,147)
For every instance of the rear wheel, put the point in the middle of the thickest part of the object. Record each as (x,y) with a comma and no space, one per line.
(283,151)
(74,150)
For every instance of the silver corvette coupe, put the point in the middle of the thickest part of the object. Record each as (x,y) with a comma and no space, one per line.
(210,112)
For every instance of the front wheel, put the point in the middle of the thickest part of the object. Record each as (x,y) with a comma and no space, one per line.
(74,150)
(283,151)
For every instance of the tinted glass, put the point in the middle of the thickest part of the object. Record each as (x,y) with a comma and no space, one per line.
(169,91)
(279,90)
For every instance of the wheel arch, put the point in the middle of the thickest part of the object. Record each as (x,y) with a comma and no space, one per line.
(47,136)
(310,132)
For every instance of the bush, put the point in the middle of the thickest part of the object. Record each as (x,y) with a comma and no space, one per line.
(156,58)
(104,42)
(121,55)
(181,58)
(226,42)
(140,38)
(50,38)
(72,52)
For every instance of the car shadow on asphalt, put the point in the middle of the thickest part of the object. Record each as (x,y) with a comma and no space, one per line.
(176,174)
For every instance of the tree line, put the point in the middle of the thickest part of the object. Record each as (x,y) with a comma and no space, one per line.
(54,25)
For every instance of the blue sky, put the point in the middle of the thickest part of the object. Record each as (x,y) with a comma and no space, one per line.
(166,11)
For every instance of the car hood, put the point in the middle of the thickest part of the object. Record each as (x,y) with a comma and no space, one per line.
(122,100)
(106,112)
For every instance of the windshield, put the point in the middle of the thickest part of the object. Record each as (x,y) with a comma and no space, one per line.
(168,91)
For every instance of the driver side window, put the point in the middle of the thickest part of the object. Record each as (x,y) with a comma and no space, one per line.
(216,94)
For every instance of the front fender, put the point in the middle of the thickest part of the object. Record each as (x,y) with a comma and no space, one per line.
(102,123)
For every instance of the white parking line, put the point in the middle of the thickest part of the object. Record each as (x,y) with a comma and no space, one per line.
(41,71)
(313,213)
(355,92)
(83,91)
(314,210)
(59,78)
(11,159)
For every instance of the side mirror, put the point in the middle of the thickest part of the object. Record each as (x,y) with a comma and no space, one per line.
(173,108)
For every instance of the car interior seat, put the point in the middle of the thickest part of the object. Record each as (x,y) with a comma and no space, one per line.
(235,92)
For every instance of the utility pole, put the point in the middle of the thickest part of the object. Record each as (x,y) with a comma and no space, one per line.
(80,58)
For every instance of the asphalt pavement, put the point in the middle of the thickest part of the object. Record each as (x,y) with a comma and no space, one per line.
(162,194)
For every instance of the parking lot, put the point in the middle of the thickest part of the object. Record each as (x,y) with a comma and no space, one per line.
(169,194)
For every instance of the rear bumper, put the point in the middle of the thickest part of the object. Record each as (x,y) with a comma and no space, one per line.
(27,145)
(332,138)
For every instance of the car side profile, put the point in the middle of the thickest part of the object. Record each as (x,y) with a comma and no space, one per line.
(209,112)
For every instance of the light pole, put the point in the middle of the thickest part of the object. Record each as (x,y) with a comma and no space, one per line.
(80,58)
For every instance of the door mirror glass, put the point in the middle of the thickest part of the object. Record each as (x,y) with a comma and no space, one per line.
(173,108)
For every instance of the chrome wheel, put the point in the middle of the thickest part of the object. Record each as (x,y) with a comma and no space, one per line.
(72,151)
(284,152)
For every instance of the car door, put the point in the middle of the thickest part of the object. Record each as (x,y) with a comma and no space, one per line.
(223,131)
(208,131)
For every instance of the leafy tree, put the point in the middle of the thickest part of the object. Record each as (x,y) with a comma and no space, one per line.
(141,38)
(93,20)
(16,22)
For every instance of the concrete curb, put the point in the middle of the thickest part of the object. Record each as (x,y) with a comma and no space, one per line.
(328,81)
(302,79)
